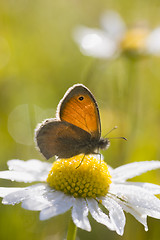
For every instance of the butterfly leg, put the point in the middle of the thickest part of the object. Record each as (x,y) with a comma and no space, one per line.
(81,161)
(100,157)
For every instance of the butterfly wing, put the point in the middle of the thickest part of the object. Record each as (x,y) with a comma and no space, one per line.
(62,139)
(79,108)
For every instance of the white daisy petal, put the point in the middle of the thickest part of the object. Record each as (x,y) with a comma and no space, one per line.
(59,206)
(54,196)
(138,214)
(116,213)
(36,204)
(7,190)
(26,171)
(110,169)
(94,42)
(18,176)
(131,170)
(30,165)
(151,213)
(113,24)
(98,215)
(28,192)
(152,188)
(80,213)
(136,196)
(153,42)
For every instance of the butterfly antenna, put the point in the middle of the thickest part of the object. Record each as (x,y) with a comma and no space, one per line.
(118,138)
(110,131)
(115,137)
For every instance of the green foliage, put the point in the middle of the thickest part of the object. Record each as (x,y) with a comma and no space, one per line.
(39,61)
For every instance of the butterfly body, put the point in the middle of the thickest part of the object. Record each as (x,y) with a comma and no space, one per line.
(76,128)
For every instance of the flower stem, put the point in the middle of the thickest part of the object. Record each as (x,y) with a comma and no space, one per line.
(133,93)
(72,230)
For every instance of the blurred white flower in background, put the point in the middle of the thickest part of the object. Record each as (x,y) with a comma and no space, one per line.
(114,38)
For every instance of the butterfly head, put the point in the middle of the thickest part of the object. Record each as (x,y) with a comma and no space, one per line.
(104,143)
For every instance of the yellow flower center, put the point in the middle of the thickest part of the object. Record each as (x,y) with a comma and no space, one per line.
(87,178)
(134,39)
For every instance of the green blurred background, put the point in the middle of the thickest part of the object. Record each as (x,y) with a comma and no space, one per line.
(39,61)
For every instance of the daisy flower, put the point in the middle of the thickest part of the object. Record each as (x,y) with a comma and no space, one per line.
(93,185)
(114,38)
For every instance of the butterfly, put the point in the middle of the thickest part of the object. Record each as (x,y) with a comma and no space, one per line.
(76,128)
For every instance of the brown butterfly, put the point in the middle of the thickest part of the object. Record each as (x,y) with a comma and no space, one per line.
(76,128)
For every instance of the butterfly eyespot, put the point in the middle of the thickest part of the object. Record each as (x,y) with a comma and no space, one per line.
(81,98)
